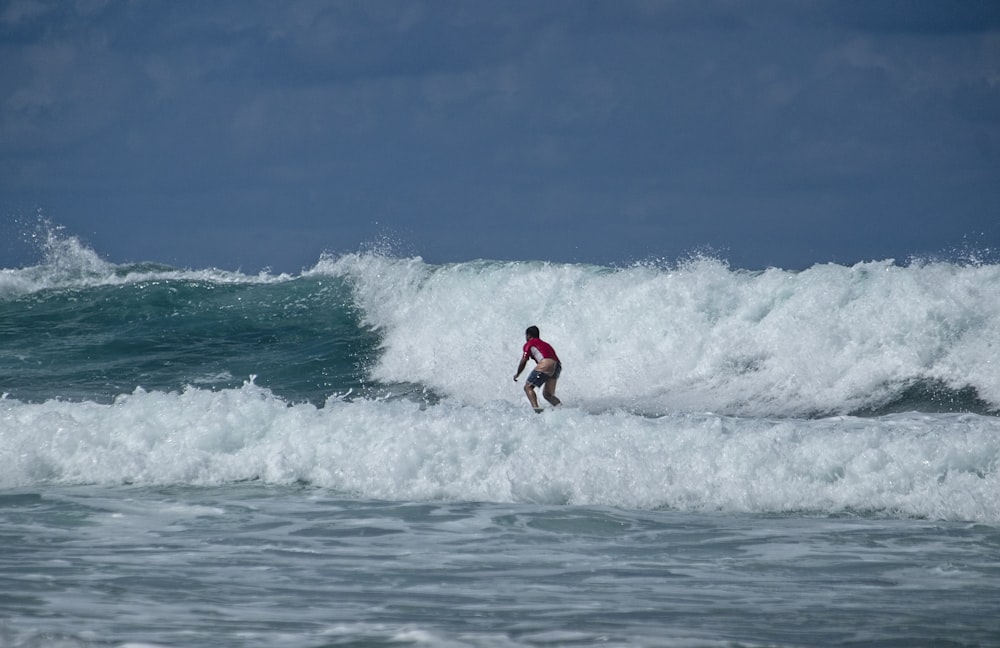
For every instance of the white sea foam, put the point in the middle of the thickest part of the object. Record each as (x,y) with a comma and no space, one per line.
(699,336)
(936,466)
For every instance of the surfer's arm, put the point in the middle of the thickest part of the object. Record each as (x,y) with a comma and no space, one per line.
(520,366)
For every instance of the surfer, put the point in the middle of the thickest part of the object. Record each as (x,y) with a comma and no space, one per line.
(547,368)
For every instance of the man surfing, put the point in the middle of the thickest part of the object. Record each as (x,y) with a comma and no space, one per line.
(547,368)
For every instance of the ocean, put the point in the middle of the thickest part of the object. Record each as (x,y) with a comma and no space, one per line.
(340,457)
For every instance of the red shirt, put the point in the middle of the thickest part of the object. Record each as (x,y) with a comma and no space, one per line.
(539,349)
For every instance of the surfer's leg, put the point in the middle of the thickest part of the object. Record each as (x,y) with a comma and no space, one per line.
(549,391)
(529,390)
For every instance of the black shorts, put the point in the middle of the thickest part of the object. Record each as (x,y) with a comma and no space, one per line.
(537,378)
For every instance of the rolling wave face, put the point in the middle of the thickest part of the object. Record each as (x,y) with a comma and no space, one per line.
(871,338)
(169,330)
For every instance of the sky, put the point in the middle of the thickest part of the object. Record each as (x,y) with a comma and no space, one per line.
(247,134)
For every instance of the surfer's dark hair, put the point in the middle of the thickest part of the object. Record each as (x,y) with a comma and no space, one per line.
(532,331)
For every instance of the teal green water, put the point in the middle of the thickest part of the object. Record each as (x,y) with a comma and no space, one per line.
(301,338)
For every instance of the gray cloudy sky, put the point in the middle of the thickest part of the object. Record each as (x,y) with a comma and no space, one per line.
(252,134)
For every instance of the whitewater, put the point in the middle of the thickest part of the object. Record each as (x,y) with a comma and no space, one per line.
(198,457)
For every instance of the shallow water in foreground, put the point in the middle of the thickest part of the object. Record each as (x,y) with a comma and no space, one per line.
(257,565)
